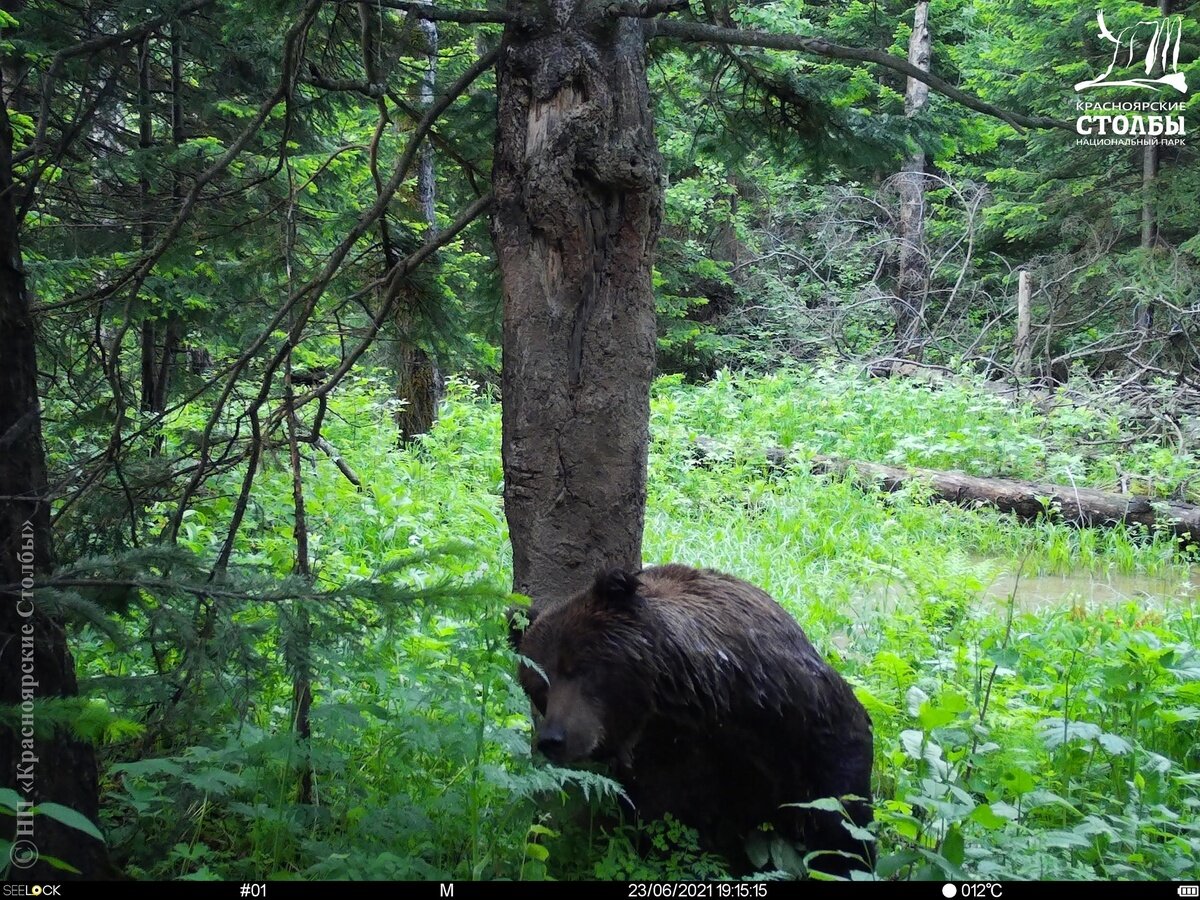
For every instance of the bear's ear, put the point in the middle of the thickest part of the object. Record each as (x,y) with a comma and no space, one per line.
(520,619)
(618,587)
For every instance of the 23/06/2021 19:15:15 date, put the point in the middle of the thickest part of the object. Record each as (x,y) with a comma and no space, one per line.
(700,890)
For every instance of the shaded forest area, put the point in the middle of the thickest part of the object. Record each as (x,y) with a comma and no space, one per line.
(327,327)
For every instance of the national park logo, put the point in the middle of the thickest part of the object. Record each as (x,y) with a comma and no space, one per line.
(1145,56)
(1161,40)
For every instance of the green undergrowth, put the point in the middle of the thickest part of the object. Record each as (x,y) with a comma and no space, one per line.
(1056,743)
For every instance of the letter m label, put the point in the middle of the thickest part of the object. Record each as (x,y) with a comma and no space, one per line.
(445,890)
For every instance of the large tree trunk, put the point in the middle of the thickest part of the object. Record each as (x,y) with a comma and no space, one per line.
(912,268)
(578,208)
(34,661)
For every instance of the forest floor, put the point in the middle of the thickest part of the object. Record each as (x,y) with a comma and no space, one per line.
(1035,689)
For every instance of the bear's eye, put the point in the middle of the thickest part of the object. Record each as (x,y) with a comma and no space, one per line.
(539,696)
(572,670)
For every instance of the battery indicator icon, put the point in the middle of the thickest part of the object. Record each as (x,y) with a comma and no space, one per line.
(1189,890)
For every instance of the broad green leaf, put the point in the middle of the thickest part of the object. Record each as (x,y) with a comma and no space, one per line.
(68,817)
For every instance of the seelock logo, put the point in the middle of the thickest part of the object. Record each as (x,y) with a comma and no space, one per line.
(1154,45)
(33,890)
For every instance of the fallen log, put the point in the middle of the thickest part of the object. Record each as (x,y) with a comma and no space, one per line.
(1028,501)
(1082,507)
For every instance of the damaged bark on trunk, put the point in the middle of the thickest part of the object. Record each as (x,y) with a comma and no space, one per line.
(578,208)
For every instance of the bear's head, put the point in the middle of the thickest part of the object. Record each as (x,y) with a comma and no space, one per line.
(586,665)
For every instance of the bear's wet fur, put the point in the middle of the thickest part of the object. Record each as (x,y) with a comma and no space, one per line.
(710,703)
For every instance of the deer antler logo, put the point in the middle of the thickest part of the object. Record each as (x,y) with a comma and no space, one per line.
(1160,54)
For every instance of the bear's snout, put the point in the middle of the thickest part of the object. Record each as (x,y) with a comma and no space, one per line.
(552,741)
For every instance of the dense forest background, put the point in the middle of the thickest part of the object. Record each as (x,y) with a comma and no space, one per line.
(248,277)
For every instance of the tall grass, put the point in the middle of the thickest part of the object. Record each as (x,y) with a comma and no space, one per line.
(1054,743)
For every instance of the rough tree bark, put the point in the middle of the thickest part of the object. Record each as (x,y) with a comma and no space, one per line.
(1143,313)
(425,172)
(1023,346)
(911,274)
(577,214)
(1149,174)
(419,385)
(35,663)
(1150,165)
(419,382)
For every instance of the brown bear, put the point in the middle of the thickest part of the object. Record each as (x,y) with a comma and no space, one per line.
(710,703)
